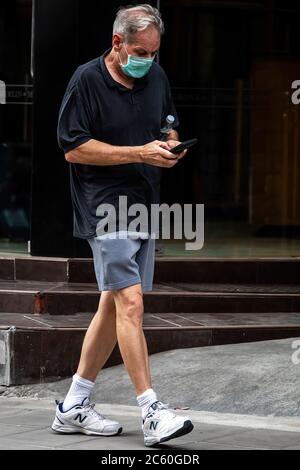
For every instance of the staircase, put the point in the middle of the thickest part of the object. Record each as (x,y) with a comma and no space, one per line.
(46,305)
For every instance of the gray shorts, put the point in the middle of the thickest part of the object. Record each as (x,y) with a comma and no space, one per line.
(122,262)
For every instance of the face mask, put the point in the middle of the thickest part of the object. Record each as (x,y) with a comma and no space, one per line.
(136,67)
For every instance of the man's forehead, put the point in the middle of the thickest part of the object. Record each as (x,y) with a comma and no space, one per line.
(147,40)
(146,47)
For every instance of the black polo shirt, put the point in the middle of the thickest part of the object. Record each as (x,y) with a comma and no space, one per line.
(95,106)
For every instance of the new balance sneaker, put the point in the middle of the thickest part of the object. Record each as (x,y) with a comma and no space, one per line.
(84,419)
(161,424)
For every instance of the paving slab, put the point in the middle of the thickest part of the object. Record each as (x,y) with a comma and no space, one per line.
(240,396)
(35,435)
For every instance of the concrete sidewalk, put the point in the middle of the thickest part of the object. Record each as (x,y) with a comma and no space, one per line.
(25,424)
(246,397)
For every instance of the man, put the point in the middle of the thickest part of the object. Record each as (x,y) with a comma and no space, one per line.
(109,125)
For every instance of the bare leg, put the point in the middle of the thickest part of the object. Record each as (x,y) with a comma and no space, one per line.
(131,339)
(100,338)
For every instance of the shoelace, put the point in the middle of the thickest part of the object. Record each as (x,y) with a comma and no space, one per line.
(91,408)
(177,407)
(163,406)
(160,407)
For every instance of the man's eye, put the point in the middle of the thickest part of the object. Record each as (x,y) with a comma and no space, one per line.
(145,54)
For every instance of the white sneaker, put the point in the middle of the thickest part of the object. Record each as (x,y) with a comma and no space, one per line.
(84,419)
(161,424)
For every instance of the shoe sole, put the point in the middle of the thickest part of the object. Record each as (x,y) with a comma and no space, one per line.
(185,429)
(85,431)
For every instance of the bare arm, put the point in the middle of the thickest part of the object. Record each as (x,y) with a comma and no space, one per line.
(95,152)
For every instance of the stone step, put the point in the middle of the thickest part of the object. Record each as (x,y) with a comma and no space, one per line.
(194,270)
(70,298)
(39,348)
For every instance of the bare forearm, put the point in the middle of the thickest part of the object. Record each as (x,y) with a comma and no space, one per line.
(95,152)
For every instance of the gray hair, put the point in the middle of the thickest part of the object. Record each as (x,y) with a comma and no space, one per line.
(131,19)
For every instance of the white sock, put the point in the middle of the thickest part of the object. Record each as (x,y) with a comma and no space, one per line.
(80,389)
(145,400)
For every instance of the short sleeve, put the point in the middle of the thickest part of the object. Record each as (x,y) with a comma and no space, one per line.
(74,121)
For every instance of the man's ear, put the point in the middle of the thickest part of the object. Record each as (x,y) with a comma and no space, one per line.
(117,42)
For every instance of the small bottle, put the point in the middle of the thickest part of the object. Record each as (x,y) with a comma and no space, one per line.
(167,128)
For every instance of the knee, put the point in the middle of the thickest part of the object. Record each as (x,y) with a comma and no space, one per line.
(106,304)
(130,307)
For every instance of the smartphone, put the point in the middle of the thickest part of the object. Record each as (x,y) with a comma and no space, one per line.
(184,145)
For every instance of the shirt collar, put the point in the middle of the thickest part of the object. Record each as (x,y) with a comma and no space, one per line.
(138,82)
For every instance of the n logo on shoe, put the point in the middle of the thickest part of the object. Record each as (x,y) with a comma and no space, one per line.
(80,418)
(153,425)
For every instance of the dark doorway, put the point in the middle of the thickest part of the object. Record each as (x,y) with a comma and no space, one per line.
(231,65)
(15,124)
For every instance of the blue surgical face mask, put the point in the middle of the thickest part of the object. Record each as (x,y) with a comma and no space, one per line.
(136,67)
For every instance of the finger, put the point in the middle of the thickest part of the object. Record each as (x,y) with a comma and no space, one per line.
(182,154)
(166,154)
(172,158)
(163,145)
(170,163)
(173,143)
(166,162)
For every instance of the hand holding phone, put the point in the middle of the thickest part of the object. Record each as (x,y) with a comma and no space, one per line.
(184,145)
